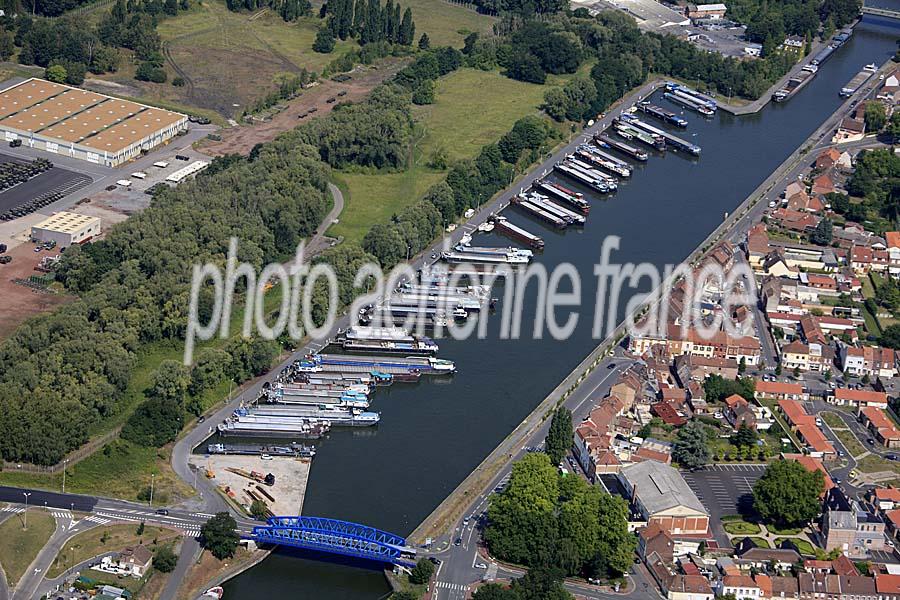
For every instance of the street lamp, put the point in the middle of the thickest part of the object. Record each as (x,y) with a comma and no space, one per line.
(25,524)
(152,479)
(65,465)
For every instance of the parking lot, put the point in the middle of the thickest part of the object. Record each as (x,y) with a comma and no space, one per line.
(725,489)
(56,179)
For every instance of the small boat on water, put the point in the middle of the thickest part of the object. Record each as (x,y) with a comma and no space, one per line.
(214,592)
(486,227)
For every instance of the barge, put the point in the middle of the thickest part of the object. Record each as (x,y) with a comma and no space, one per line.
(295,429)
(858,80)
(517,233)
(661,114)
(686,101)
(613,144)
(595,183)
(570,197)
(629,132)
(294,449)
(598,158)
(671,140)
(553,208)
(794,85)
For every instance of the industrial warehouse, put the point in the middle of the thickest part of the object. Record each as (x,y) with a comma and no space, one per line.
(82,124)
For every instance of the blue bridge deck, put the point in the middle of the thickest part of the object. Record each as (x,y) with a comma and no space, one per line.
(336,537)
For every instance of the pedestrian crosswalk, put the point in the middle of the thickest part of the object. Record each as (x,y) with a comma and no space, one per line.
(61,514)
(97,520)
(446,585)
(191,531)
(12,509)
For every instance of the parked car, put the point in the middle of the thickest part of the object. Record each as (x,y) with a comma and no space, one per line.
(182,157)
(15,143)
(870,441)
(891,456)
(2,248)
(6,259)
(457,541)
(110,188)
(162,511)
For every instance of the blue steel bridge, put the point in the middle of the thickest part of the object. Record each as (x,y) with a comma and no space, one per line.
(335,537)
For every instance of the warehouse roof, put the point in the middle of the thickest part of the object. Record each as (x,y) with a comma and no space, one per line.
(660,487)
(73,115)
(66,222)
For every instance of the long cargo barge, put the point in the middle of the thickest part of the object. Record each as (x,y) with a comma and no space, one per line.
(554,208)
(540,212)
(302,389)
(611,182)
(614,144)
(597,184)
(294,449)
(489,251)
(304,430)
(858,80)
(394,366)
(671,140)
(824,54)
(470,257)
(570,197)
(517,233)
(686,101)
(662,114)
(468,303)
(630,132)
(275,415)
(596,157)
(794,84)
(280,396)
(693,94)
(372,378)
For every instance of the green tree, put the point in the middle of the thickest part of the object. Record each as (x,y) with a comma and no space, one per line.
(717,388)
(494,591)
(140,529)
(560,437)
(823,234)
(219,535)
(787,494)
(422,572)
(742,365)
(691,450)
(55,73)
(170,381)
(404,595)
(744,437)
(875,116)
(407,31)
(164,559)
(324,43)
(424,94)
(424,42)
(797,372)
(259,510)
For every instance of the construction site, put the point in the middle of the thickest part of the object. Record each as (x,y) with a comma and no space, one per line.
(277,481)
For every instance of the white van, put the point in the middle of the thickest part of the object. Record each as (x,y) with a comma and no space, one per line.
(139,175)
(162,164)
(124,182)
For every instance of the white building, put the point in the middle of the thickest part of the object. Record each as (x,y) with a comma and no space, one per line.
(66,228)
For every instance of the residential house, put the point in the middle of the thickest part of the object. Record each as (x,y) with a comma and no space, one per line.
(814,356)
(777,390)
(823,184)
(858,398)
(785,587)
(873,361)
(827,159)
(887,586)
(738,412)
(881,426)
(655,539)
(885,499)
(849,130)
(741,586)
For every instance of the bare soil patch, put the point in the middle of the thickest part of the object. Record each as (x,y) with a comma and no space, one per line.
(20,302)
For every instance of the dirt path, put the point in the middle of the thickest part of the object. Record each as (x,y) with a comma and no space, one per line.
(241,140)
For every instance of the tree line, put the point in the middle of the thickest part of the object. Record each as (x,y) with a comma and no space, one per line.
(64,373)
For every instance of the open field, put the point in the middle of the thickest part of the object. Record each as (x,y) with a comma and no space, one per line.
(117,537)
(446,24)
(120,470)
(20,302)
(850,442)
(448,124)
(21,546)
(875,464)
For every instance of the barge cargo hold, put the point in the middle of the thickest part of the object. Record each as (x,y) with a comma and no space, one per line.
(294,449)
(286,397)
(359,392)
(387,364)
(517,233)
(660,113)
(611,182)
(490,251)
(276,416)
(467,303)
(598,158)
(296,429)
(375,378)
(689,103)
(570,197)
(858,80)
(471,257)
(824,54)
(594,183)
(560,211)
(614,144)
(793,85)
(540,212)
(671,140)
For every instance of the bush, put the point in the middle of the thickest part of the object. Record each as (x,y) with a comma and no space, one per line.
(422,572)
(148,71)
(164,560)
(178,82)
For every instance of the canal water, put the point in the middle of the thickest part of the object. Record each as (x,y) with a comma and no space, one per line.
(432,434)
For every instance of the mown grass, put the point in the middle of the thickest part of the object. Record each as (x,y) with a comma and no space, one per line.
(451,125)
(850,442)
(446,24)
(805,548)
(875,464)
(833,420)
(21,546)
(741,528)
(114,538)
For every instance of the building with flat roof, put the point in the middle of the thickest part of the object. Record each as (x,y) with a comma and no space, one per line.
(82,124)
(66,228)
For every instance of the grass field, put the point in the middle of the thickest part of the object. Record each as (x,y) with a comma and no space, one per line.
(446,24)
(21,546)
(876,464)
(850,442)
(448,124)
(117,537)
(833,420)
